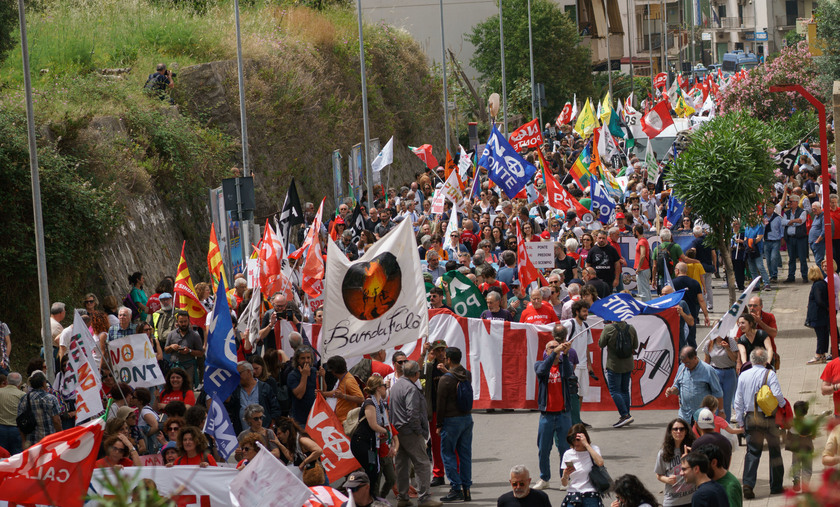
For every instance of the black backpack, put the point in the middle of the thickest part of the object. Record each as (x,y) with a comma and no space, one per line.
(664,260)
(623,341)
(464,395)
(26,420)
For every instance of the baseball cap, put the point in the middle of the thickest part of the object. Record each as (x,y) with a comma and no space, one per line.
(165,295)
(356,479)
(619,215)
(706,419)
(169,445)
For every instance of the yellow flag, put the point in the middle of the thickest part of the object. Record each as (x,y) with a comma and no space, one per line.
(606,109)
(586,121)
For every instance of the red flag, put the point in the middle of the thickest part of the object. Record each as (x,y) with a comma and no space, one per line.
(185,291)
(528,273)
(425,154)
(561,200)
(660,81)
(565,115)
(313,266)
(527,136)
(271,256)
(324,428)
(55,471)
(657,120)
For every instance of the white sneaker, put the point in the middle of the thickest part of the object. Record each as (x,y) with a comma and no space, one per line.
(541,485)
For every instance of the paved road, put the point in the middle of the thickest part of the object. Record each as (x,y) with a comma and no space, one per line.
(504,439)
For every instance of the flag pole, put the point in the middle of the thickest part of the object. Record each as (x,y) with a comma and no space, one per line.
(445,91)
(365,121)
(246,163)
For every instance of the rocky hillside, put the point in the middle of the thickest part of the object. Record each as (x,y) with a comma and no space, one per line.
(125,177)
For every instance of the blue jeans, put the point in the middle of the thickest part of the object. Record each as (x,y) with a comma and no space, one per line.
(773,256)
(619,386)
(756,267)
(10,439)
(456,436)
(818,250)
(553,428)
(797,248)
(728,382)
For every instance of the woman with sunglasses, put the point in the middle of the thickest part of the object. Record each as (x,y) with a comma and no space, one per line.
(171,428)
(147,329)
(667,469)
(254,417)
(586,244)
(247,449)
(372,439)
(119,453)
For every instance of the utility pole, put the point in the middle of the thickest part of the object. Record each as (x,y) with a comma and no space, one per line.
(365,106)
(504,85)
(630,17)
(246,163)
(445,90)
(40,245)
(609,58)
(650,47)
(531,54)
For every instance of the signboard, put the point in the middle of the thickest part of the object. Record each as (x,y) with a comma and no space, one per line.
(706,36)
(133,361)
(541,253)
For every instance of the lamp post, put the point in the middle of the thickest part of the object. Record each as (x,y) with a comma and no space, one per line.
(445,91)
(246,162)
(832,316)
(40,246)
(531,54)
(504,84)
(365,123)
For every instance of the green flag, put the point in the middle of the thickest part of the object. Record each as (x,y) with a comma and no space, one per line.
(467,300)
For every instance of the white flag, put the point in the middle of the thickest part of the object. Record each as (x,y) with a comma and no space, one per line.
(83,372)
(385,156)
(464,163)
(376,302)
(265,481)
(730,318)
(453,226)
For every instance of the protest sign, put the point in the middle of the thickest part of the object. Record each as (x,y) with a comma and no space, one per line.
(265,482)
(133,361)
(541,253)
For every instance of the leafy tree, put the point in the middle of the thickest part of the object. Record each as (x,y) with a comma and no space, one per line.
(560,62)
(8,27)
(794,65)
(724,173)
(828,31)
(621,86)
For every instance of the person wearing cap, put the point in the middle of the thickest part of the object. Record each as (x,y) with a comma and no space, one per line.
(518,300)
(358,484)
(169,452)
(163,320)
(432,370)
(705,423)
(44,407)
(621,223)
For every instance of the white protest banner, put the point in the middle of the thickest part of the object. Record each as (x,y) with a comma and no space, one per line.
(265,482)
(133,361)
(253,273)
(82,373)
(185,485)
(541,253)
(376,302)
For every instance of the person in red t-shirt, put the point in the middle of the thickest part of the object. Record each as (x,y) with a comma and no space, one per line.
(489,274)
(831,383)
(378,366)
(642,264)
(119,453)
(193,448)
(537,312)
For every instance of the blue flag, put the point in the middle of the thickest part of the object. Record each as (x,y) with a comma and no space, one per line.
(602,202)
(220,375)
(505,167)
(218,425)
(621,306)
(675,209)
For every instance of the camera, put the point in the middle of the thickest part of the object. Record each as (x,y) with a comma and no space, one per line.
(290,315)
(171,74)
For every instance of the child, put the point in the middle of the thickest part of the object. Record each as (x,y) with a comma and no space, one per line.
(711,403)
(800,441)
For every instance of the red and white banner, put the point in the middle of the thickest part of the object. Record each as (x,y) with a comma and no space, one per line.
(325,496)
(504,354)
(657,120)
(660,80)
(55,471)
(451,190)
(565,115)
(325,429)
(527,136)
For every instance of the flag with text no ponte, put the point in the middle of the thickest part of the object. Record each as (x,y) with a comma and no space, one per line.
(506,168)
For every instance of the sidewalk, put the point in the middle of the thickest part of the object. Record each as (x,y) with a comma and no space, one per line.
(799,381)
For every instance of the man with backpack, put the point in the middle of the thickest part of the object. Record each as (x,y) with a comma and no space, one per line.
(160,82)
(621,342)
(455,425)
(666,255)
(37,414)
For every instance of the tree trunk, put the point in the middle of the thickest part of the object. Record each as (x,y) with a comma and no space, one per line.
(726,253)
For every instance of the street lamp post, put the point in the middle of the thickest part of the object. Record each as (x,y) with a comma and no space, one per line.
(365,123)
(445,90)
(246,162)
(504,84)
(531,54)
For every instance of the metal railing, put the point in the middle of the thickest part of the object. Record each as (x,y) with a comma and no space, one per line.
(787,20)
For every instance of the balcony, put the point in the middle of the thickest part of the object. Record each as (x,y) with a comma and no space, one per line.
(786,21)
(727,23)
(598,48)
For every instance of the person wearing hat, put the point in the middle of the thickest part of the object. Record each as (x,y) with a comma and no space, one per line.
(169,452)
(705,423)
(163,320)
(432,370)
(571,221)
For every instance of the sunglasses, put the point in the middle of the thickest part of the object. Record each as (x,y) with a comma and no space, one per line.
(107,375)
(678,428)
(403,361)
(173,428)
(90,302)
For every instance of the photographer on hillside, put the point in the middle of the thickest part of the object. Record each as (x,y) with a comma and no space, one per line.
(161,82)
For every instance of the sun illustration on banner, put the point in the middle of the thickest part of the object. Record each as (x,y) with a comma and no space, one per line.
(371,288)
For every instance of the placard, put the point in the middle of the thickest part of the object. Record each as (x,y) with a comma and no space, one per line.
(541,253)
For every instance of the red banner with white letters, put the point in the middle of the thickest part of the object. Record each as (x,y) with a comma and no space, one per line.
(326,430)
(55,471)
(527,136)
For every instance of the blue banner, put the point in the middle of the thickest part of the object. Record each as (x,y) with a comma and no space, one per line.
(620,306)
(220,375)
(602,202)
(218,425)
(506,168)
